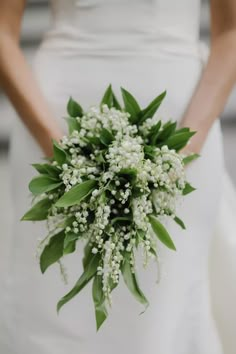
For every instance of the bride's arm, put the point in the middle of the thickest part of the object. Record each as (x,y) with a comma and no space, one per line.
(18,82)
(218,77)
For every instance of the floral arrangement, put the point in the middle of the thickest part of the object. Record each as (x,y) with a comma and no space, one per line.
(110,182)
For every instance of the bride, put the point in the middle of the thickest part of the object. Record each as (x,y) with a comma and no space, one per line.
(145,46)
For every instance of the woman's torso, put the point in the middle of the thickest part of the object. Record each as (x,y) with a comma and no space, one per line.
(135,44)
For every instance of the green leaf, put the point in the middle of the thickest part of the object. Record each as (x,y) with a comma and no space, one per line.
(166,132)
(39,211)
(131,105)
(179,222)
(131,280)
(43,183)
(93,140)
(149,152)
(87,254)
(151,109)
(99,301)
(190,158)
(53,251)
(128,173)
(100,157)
(178,141)
(106,137)
(70,242)
(154,132)
(74,109)
(116,103)
(45,168)
(84,279)
(121,219)
(76,194)
(73,124)
(110,99)
(188,189)
(161,232)
(58,152)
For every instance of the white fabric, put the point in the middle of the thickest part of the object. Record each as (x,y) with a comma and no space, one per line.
(145,46)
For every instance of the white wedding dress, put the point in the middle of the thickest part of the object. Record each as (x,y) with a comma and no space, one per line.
(146,46)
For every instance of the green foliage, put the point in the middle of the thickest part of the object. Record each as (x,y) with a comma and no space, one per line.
(110,99)
(43,183)
(89,272)
(106,137)
(53,251)
(73,124)
(161,232)
(179,222)
(74,109)
(59,154)
(131,106)
(188,189)
(131,280)
(178,141)
(76,194)
(190,158)
(151,109)
(46,168)
(70,242)
(39,211)
(99,301)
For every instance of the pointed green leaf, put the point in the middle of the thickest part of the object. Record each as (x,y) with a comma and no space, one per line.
(151,109)
(43,183)
(166,132)
(149,152)
(161,232)
(188,189)
(76,194)
(93,140)
(131,105)
(116,103)
(84,279)
(87,254)
(73,124)
(45,168)
(128,173)
(131,280)
(53,251)
(58,153)
(74,109)
(39,211)
(178,141)
(154,131)
(108,97)
(179,222)
(99,301)
(70,242)
(121,219)
(106,137)
(190,158)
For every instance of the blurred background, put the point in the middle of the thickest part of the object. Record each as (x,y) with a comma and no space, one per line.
(36,21)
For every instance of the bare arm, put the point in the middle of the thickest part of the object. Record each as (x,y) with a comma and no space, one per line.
(218,77)
(18,81)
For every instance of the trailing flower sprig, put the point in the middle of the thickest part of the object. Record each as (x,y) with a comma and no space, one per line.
(109,183)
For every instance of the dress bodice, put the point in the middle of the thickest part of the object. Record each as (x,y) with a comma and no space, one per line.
(121,25)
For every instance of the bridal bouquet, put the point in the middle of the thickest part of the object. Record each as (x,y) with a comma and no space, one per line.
(111,181)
